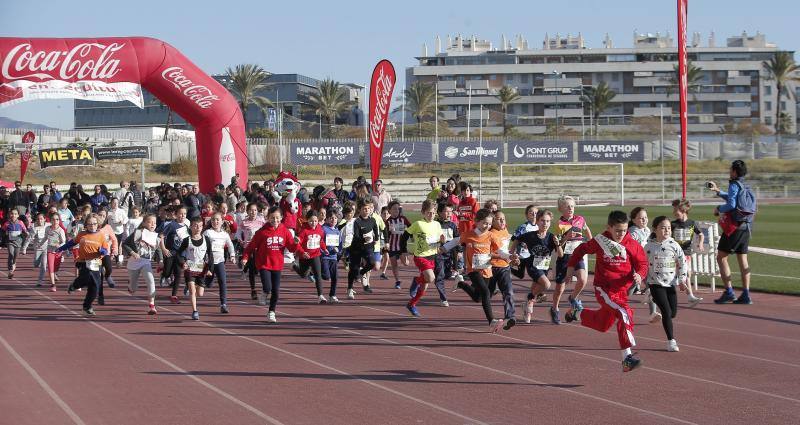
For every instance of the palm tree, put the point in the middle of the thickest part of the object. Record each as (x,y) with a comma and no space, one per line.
(244,82)
(693,76)
(329,101)
(506,95)
(599,98)
(782,69)
(420,102)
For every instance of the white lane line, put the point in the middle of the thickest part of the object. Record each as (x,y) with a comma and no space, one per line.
(708,381)
(173,366)
(42,383)
(754,334)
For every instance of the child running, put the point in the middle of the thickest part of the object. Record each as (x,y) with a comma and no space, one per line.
(310,243)
(16,232)
(397,224)
(501,270)
(92,246)
(639,231)
(220,240)
(248,226)
(142,249)
(426,235)
(570,229)
(362,249)
(683,229)
(194,257)
(330,256)
(620,262)
(667,269)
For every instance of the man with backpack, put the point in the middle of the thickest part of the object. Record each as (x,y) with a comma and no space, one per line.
(736,219)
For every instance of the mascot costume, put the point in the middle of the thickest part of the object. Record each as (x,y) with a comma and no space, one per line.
(286,188)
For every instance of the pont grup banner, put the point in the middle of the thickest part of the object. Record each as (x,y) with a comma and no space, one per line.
(325,153)
(616,151)
(530,151)
(380,98)
(60,157)
(407,153)
(470,152)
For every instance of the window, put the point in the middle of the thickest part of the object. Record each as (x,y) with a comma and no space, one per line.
(767,106)
(783,106)
(768,120)
(523,78)
(493,77)
(767,90)
(614,76)
(621,58)
(525,109)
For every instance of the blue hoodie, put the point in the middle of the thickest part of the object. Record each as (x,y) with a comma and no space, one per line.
(332,254)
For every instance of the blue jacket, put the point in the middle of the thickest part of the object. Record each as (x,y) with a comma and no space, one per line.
(332,252)
(734,186)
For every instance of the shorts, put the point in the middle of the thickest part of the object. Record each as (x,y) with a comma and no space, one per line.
(425,263)
(395,254)
(376,257)
(561,267)
(195,277)
(535,273)
(737,242)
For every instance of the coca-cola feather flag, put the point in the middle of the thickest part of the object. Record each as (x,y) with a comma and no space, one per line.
(27,139)
(682,86)
(380,97)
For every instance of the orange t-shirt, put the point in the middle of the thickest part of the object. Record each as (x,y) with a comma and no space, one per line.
(500,239)
(111,237)
(477,256)
(89,245)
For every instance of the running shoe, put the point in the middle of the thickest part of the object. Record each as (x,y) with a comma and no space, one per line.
(528,311)
(509,323)
(457,282)
(351,294)
(39,284)
(571,315)
(88,311)
(575,303)
(384,277)
(693,301)
(223,309)
(152,310)
(367,289)
(655,317)
(334,300)
(397,285)
(554,316)
(70,289)
(262,298)
(53,288)
(253,295)
(195,315)
(541,298)
(444,303)
(174,299)
(743,299)
(630,363)
(322,299)
(101,300)
(271,317)
(10,275)
(495,325)
(727,297)
(162,282)
(110,282)
(413,310)
(672,346)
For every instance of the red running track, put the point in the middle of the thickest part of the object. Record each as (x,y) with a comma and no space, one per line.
(367,361)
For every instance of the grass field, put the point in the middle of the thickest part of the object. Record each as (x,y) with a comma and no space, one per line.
(775,227)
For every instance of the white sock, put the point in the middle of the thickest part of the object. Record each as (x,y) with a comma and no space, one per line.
(625,353)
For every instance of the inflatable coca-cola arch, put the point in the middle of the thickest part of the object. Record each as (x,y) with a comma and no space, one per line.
(114,69)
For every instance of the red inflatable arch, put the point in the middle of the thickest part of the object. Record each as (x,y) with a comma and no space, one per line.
(115,69)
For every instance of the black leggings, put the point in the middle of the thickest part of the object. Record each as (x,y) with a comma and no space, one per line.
(271,284)
(356,268)
(315,266)
(479,291)
(667,301)
(174,269)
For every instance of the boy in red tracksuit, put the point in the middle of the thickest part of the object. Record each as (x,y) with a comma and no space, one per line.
(621,261)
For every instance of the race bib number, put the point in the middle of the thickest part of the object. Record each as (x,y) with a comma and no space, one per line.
(217,245)
(348,240)
(448,234)
(681,235)
(432,241)
(312,243)
(14,234)
(195,266)
(182,233)
(541,263)
(664,265)
(398,228)
(571,245)
(481,261)
(332,241)
(94,265)
(504,245)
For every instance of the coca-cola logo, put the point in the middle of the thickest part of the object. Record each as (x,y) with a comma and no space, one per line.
(81,62)
(384,85)
(227,157)
(28,139)
(199,94)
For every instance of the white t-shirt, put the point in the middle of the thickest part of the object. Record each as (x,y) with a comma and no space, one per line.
(219,240)
(117,219)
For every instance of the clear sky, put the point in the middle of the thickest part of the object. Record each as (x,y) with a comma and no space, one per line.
(343,40)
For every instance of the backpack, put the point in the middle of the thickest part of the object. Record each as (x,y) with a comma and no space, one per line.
(746,205)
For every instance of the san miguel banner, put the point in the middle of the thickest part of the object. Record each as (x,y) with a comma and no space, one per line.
(25,158)
(380,97)
(325,153)
(122,152)
(408,153)
(59,157)
(530,151)
(470,152)
(616,151)
(682,85)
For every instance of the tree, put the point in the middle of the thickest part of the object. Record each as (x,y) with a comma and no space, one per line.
(693,76)
(157,101)
(329,101)
(599,99)
(506,95)
(244,82)
(782,69)
(420,102)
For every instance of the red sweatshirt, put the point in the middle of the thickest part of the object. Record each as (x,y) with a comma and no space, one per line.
(268,244)
(613,274)
(311,241)
(466,210)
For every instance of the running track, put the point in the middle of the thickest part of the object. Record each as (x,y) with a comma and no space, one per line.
(367,361)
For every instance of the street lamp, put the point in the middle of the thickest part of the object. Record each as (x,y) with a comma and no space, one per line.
(555,77)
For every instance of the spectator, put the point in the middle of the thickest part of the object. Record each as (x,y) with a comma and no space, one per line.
(339,192)
(45,200)
(54,192)
(380,197)
(435,188)
(98,200)
(125,196)
(18,199)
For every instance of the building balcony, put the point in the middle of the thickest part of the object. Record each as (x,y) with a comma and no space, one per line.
(650,82)
(550,83)
(739,81)
(739,111)
(477,84)
(651,112)
(563,113)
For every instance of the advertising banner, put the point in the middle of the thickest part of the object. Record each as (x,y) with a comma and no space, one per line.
(616,151)
(59,157)
(380,98)
(683,6)
(407,153)
(122,152)
(531,151)
(468,152)
(325,153)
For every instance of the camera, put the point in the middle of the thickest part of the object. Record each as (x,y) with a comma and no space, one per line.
(709,185)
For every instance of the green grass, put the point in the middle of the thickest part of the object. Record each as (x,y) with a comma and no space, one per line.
(775,227)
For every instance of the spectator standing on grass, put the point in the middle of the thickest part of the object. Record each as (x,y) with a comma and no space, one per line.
(339,192)
(44,200)
(380,197)
(736,218)
(18,199)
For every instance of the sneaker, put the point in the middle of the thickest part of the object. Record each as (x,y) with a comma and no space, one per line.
(575,303)
(152,310)
(384,277)
(509,324)
(397,285)
(174,299)
(367,289)
(334,300)
(672,346)
(413,310)
(444,303)
(727,297)
(554,316)
(262,298)
(312,279)
(70,289)
(322,299)
(186,290)
(655,317)
(195,315)
(528,311)
(351,294)
(693,301)
(743,299)
(53,288)
(541,298)
(496,291)
(101,300)
(495,325)
(110,282)
(571,315)
(630,363)
(271,317)
(163,282)
(38,284)
(88,311)
(253,295)
(223,309)
(457,282)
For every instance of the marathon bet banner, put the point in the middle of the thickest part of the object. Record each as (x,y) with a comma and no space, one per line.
(531,151)
(122,152)
(325,153)
(59,157)
(611,151)
(406,153)
(467,152)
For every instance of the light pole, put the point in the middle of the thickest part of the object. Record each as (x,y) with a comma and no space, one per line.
(555,77)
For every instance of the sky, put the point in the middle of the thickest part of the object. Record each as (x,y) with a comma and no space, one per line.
(343,40)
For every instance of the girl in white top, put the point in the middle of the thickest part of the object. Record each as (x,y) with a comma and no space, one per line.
(55,238)
(38,241)
(134,221)
(117,219)
(142,250)
(639,231)
(668,268)
(220,240)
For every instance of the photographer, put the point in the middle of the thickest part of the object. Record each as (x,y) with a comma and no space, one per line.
(735,222)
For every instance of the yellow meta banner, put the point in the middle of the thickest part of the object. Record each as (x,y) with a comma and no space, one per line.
(59,157)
